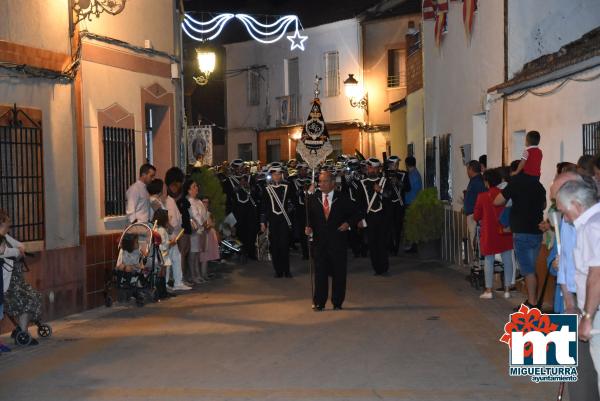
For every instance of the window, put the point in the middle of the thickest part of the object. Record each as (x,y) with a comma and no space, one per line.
(273,150)
(336,143)
(410,151)
(332,73)
(292,89)
(245,151)
(253,87)
(22,173)
(445,167)
(430,167)
(119,167)
(396,68)
(591,139)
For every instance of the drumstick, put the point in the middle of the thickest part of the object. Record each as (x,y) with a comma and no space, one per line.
(179,235)
(155,224)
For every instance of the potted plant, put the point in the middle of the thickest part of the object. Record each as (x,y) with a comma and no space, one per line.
(210,187)
(423,224)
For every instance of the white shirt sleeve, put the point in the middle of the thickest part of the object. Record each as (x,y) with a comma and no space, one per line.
(13,250)
(525,155)
(591,250)
(131,197)
(174,215)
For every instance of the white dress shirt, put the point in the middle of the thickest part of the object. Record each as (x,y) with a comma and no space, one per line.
(329,197)
(174,216)
(138,203)
(586,252)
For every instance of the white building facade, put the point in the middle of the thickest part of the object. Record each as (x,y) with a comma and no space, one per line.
(459,74)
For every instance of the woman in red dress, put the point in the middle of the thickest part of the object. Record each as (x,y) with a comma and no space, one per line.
(493,239)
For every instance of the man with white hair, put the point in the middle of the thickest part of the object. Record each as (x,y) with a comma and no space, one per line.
(586,385)
(578,201)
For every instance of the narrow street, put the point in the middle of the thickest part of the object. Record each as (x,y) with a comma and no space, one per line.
(421,334)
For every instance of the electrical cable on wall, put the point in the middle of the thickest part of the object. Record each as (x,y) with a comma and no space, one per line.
(68,74)
(556,89)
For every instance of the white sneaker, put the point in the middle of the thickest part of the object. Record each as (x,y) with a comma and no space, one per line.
(486,295)
(182,287)
(170,289)
(506,294)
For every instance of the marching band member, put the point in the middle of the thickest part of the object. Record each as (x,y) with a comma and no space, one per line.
(399,184)
(375,196)
(275,215)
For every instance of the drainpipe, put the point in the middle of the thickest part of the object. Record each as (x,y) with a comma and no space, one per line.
(504,101)
(183,134)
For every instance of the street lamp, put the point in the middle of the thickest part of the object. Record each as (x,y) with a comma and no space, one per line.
(206,65)
(354,93)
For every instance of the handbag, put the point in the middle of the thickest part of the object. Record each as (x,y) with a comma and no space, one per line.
(500,228)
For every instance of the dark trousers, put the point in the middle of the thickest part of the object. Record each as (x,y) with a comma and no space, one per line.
(247,231)
(330,264)
(279,239)
(184,245)
(378,239)
(356,238)
(397,226)
(299,225)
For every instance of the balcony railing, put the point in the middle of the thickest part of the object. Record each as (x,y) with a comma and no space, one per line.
(396,81)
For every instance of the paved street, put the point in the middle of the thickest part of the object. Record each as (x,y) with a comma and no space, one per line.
(421,334)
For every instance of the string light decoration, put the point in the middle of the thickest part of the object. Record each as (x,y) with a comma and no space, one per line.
(264,33)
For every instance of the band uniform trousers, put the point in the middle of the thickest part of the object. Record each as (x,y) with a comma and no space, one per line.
(378,239)
(247,227)
(279,241)
(397,227)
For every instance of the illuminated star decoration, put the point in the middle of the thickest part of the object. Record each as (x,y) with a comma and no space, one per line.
(297,40)
(264,33)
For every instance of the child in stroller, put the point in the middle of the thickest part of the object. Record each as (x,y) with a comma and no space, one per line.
(139,271)
(22,303)
(131,276)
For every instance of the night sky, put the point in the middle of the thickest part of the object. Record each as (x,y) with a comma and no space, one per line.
(208,102)
(311,12)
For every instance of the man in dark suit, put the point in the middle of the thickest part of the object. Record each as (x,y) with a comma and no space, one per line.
(330,215)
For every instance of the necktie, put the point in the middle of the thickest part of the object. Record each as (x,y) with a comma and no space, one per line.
(326,206)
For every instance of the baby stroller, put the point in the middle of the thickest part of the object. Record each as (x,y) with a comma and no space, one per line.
(21,298)
(139,283)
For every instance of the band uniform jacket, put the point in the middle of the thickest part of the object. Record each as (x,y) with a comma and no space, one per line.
(270,208)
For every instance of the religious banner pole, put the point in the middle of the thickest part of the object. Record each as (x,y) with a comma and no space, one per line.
(314,147)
